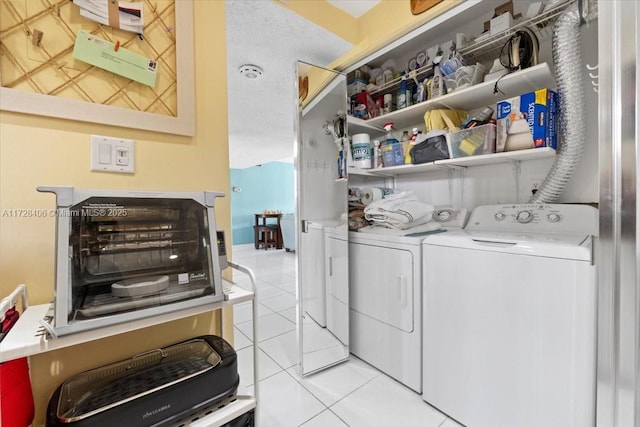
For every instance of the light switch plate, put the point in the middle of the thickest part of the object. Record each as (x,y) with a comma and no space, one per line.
(112,154)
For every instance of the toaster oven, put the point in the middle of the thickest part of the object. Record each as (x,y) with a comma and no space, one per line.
(125,255)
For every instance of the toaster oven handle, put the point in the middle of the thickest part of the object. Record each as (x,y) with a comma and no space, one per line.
(145,353)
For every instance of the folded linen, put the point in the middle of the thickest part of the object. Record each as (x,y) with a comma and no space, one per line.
(390,221)
(401,210)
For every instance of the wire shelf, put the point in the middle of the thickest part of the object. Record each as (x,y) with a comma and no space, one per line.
(394,84)
(485,49)
(488,47)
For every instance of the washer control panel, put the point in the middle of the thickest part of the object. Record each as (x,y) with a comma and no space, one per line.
(524,217)
(535,218)
(450,217)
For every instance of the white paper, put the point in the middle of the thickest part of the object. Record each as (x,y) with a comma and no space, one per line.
(98,11)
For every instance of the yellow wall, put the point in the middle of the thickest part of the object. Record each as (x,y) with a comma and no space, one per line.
(325,15)
(384,23)
(43,151)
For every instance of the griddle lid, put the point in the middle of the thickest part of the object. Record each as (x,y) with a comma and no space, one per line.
(97,390)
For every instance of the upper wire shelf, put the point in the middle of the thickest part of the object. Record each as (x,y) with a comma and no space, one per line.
(487,46)
(395,83)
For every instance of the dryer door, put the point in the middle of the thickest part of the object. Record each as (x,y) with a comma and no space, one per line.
(382,284)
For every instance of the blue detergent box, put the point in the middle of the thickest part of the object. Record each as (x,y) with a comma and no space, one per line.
(527,121)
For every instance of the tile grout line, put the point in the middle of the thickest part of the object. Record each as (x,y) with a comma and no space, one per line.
(311,393)
(353,391)
(268,376)
(275,336)
(276,362)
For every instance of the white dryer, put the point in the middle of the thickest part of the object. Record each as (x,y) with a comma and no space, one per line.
(510,317)
(385,279)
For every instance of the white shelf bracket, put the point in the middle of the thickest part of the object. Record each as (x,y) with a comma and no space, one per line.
(390,182)
(516,168)
(452,178)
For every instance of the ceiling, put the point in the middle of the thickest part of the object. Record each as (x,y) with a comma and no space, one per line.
(261,111)
(355,8)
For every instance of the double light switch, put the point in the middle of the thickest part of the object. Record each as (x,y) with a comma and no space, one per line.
(112,154)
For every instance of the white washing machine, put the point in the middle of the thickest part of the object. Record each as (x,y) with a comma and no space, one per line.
(385,279)
(510,317)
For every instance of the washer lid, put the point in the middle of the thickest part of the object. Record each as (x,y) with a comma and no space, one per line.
(550,245)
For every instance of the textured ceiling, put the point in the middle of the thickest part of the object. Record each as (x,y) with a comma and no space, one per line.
(355,8)
(261,111)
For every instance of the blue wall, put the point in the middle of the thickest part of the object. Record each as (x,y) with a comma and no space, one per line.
(266,187)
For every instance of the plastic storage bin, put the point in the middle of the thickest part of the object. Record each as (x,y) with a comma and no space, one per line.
(472,142)
(392,154)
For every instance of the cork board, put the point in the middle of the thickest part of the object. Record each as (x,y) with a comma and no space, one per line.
(38,74)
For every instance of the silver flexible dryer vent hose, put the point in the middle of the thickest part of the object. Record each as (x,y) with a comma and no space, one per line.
(567,60)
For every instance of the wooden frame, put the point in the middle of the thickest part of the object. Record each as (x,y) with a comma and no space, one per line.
(419,6)
(183,124)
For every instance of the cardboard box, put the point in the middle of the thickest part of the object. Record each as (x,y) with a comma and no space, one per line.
(527,121)
(501,23)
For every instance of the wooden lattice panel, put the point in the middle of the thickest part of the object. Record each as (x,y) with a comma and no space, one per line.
(48,68)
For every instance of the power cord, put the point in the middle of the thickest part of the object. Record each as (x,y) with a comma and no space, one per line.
(524,55)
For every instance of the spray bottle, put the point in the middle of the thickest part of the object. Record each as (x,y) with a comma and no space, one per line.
(437,83)
(404,94)
(391,148)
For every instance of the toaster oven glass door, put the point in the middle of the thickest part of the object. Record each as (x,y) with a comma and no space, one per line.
(322,245)
(134,253)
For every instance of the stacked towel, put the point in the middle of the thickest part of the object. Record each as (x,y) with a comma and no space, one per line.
(399,211)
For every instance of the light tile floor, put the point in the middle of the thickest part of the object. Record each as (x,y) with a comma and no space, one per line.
(349,394)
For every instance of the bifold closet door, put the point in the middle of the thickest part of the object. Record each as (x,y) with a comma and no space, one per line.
(618,256)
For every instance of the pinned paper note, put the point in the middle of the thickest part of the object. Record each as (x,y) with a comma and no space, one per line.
(104,54)
(125,16)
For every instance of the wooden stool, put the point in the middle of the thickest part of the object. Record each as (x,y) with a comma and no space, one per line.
(265,236)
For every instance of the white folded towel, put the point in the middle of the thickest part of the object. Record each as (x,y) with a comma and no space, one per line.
(398,224)
(400,211)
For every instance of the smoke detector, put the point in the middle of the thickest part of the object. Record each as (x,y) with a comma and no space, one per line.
(251,71)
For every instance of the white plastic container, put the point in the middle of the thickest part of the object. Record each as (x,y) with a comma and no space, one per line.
(361,150)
